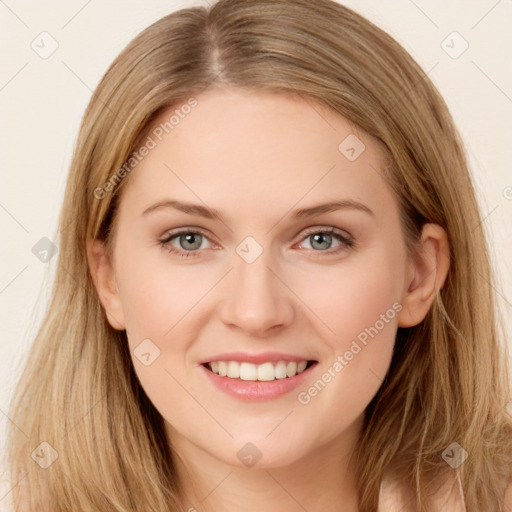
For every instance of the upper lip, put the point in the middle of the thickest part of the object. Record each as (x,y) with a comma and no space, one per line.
(255,358)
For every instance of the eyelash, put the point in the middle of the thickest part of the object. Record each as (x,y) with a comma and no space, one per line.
(347,242)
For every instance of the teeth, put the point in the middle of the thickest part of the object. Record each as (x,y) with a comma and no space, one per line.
(222,368)
(248,371)
(233,370)
(261,372)
(281,370)
(291,369)
(266,371)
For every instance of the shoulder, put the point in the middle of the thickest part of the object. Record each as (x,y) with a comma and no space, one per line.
(394,496)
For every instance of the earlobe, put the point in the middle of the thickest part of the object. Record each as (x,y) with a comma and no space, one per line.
(103,276)
(428,268)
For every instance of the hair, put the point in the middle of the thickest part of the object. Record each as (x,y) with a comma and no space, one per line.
(447,381)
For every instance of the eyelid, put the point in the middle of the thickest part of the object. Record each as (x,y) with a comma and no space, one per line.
(327,229)
(168,235)
(346,240)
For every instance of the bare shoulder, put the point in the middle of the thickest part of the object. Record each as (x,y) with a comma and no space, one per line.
(394,496)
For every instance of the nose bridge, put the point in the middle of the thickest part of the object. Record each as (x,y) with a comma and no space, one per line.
(257,300)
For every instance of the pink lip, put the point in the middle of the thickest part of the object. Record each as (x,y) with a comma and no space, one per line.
(257,390)
(255,358)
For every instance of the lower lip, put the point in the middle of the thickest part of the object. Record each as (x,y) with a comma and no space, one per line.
(258,390)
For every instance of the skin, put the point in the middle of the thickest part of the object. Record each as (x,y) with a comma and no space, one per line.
(257,157)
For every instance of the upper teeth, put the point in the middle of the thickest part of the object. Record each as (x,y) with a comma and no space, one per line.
(250,371)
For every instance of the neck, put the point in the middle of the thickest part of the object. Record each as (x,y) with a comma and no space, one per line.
(322,480)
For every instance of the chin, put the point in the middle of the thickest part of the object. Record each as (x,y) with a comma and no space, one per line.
(260,453)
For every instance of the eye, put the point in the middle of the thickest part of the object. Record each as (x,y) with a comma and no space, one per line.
(321,240)
(188,242)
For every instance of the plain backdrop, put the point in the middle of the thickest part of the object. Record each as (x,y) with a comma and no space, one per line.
(42,101)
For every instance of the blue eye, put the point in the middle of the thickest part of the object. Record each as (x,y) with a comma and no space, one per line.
(326,236)
(191,240)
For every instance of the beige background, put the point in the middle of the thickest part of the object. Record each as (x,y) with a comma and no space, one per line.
(42,101)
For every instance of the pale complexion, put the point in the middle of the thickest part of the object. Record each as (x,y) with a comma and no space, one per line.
(256,158)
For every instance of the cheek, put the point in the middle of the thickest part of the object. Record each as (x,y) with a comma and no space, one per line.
(156,297)
(165,304)
(348,298)
(159,302)
(360,308)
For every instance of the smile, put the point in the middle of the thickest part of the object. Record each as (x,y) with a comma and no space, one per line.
(267,371)
(257,377)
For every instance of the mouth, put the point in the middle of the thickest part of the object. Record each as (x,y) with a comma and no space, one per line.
(249,381)
(265,372)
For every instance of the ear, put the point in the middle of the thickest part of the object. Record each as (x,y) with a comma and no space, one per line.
(426,274)
(102,272)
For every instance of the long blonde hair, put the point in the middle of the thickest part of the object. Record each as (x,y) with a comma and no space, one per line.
(446,383)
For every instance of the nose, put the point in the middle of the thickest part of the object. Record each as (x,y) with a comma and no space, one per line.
(256,299)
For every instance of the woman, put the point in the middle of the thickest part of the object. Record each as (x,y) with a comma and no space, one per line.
(258,369)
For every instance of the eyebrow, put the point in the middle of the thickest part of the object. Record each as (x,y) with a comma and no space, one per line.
(211,213)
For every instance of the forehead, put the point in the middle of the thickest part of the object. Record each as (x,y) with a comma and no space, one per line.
(259,149)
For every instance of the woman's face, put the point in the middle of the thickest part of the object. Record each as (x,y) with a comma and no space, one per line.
(257,272)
